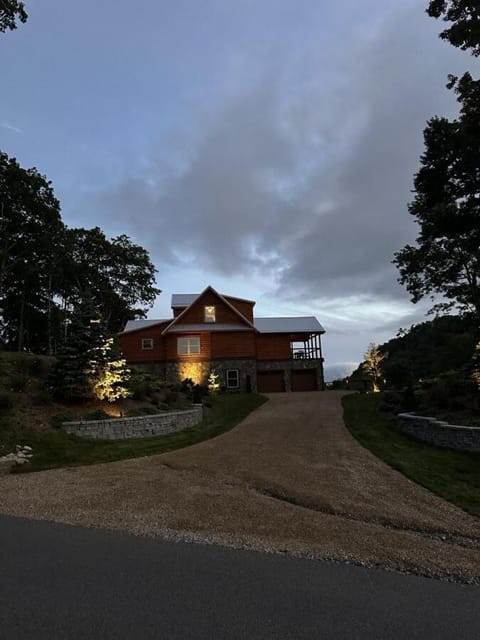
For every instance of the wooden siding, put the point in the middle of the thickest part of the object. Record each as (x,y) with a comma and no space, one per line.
(234,344)
(223,314)
(245,307)
(131,344)
(177,311)
(205,347)
(273,346)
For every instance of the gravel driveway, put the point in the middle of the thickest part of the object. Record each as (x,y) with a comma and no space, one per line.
(288,478)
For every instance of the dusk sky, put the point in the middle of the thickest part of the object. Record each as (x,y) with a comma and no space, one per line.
(265,147)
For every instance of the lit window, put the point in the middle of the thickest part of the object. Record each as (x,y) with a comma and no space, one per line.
(209,314)
(188,346)
(147,343)
(232,379)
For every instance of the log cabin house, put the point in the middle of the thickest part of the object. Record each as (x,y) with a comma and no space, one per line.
(210,331)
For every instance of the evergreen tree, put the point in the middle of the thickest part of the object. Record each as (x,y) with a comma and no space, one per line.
(69,378)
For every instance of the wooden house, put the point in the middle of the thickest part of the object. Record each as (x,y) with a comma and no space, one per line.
(210,331)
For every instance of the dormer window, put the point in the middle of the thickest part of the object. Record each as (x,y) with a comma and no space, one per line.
(209,314)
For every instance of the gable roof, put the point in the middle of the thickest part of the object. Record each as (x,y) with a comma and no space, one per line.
(186,299)
(183,299)
(306,324)
(135,325)
(176,320)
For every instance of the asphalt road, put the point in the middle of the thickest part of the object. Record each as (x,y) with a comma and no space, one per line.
(59,581)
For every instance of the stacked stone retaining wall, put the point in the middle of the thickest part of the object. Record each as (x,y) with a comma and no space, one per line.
(137,427)
(439,433)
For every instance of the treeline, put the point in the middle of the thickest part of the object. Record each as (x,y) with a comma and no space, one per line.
(425,351)
(48,270)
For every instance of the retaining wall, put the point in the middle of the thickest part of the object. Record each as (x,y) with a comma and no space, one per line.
(138,427)
(439,433)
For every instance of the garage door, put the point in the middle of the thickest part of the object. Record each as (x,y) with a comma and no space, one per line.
(270,381)
(304,380)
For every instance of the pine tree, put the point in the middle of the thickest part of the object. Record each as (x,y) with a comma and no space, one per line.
(69,378)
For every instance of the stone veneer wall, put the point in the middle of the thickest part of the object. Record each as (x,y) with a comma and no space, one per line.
(439,433)
(199,371)
(137,427)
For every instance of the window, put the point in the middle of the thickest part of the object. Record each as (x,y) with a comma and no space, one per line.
(233,381)
(147,343)
(209,314)
(188,346)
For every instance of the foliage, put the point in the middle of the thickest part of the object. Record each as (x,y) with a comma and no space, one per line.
(476,366)
(18,382)
(69,377)
(30,225)
(465,18)
(213,382)
(453,475)
(373,365)
(107,373)
(57,449)
(116,273)
(424,351)
(446,259)
(97,414)
(10,12)
(146,386)
(6,402)
(47,270)
(57,420)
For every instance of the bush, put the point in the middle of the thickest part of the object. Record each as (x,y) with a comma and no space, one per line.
(142,411)
(57,420)
(98,414)
(40,398)
(18,382)
(6,402)
(38,367)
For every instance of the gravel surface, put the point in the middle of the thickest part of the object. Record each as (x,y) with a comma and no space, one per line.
(289,478)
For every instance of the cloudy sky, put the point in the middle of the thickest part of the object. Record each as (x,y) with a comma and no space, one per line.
(265,147)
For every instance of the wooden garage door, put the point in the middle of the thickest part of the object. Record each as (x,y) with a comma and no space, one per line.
(270,381)
(304,380)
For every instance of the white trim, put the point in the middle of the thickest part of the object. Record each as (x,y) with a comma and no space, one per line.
(232,386)
(188,345)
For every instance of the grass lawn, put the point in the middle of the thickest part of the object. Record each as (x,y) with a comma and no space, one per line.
(57,449)
(453,475)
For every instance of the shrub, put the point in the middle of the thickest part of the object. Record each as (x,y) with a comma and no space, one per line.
(42,397)
(38,367)
(18,382)
(57,420)
(6,402)
(98,414)
(142,411)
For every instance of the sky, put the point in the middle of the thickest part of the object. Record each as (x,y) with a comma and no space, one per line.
(264,147)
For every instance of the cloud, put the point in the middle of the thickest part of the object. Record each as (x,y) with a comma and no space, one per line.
(10,127)
(301,173)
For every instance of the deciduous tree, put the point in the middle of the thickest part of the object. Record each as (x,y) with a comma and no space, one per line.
(10,12)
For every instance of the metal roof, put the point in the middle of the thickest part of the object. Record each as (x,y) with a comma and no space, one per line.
(209,326)
(307,324)
(183,299)
(133,325)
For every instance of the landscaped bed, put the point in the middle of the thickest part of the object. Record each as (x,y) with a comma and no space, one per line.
(55,448)
(453,475)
